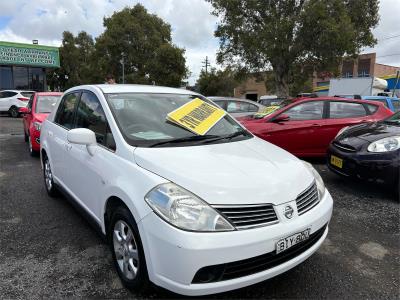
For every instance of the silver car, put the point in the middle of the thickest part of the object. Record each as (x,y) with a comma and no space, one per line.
(238,107)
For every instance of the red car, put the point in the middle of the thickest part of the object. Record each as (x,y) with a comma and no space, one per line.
(306,127)
(37,110)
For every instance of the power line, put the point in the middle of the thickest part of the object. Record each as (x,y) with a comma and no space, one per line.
(394,54)
(389,37)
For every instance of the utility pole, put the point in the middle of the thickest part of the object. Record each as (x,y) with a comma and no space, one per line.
(123,67)
(206,64)
(396,82)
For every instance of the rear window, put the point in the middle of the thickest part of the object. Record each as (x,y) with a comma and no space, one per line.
(27,94)
(342,110)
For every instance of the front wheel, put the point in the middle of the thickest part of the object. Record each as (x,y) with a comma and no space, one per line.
(48,178)
(127,251)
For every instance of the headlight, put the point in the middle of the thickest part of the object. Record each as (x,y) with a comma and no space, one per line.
(341,131)
(37,125)
(184,210)
(385,145)
(318,179)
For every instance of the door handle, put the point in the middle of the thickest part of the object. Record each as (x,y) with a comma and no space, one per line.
(68,146)
(50,133)
(316,125)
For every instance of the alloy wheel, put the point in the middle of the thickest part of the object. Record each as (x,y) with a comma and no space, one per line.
(48,176)
(126,250)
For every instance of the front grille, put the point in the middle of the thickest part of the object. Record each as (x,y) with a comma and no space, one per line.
(307,199)
(345,148)
(255,264)
(248,216)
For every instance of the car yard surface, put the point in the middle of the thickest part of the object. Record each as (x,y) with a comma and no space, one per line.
(47,249)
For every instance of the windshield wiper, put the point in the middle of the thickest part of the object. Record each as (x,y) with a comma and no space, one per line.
(228,137)
(193,138)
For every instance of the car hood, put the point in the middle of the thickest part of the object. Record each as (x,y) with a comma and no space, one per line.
(245,172)
(370,132)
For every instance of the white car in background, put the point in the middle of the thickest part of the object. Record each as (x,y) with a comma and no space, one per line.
(237,107)
(12,100)
(195,214)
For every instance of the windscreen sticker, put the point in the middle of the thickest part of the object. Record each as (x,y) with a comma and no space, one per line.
(266,111)
(151,135)
(197,116)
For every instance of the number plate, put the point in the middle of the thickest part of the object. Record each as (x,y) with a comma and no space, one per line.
(292,240)
(336,161)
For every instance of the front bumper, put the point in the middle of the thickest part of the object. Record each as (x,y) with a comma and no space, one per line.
(377,167)
(174,256)
(35,139)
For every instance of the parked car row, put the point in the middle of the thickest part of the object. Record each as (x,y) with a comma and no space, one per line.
(360,138)
(195,214)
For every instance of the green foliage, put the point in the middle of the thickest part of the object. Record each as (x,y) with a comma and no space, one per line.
(216,83)
(291,35)
(142,39)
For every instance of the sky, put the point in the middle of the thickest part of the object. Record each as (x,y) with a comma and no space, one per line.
(191,21)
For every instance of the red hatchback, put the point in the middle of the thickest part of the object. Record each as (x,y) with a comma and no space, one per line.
(37,110)
(306,127)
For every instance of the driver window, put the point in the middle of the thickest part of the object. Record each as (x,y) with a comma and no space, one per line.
(91,115)
(312,110)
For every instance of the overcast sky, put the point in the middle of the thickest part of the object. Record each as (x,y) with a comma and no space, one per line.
(192,24)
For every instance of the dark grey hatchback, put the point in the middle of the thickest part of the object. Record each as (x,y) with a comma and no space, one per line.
(368,151)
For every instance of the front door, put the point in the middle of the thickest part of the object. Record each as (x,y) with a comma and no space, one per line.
(302,133)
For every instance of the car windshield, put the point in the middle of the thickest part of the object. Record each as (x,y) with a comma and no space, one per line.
(394,120)
(142,119)
(45,104)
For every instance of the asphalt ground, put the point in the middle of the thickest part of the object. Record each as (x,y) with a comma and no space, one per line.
(48,250)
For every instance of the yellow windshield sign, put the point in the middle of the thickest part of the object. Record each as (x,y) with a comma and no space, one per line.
(197,116)
(266,111)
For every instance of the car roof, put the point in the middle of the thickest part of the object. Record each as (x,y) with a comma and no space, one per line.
(17,91)
(297,100)
(49,93)
(135,88)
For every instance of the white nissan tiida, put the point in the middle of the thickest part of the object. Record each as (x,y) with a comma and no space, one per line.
(193,213)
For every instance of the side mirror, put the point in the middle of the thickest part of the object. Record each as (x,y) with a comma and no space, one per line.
(281,118)
(83,136)
(24,110)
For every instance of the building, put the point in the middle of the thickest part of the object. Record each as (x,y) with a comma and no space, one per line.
(24,66)
(364,65)
(250,89)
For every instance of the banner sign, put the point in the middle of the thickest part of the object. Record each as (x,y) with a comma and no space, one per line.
(29,55)
(197,116)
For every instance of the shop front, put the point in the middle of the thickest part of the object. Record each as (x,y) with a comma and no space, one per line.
(24,66)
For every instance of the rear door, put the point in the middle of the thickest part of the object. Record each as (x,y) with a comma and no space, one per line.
(341,114)
(301,134)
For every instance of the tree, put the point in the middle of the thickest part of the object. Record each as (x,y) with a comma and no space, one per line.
(76,59)
(216,82)
(285,35)
(144,42)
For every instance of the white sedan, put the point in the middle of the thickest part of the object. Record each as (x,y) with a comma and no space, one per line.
(194,213)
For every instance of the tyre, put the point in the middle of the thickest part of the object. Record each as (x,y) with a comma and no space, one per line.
(13,112)
(127,251)
(48,177)
(31,151)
